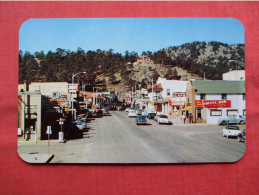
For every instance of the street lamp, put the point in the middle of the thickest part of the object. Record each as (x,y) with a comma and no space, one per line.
(72,99)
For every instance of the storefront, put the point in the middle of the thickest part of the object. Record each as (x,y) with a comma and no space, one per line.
(211,100)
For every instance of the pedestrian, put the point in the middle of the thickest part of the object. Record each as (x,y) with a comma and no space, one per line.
(190,118)
(184,118)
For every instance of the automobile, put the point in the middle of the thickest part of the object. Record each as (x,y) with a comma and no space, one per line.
(163,119)
(242,136)
(82,117)
(132,113)
(232,119)
(149,113)
(231,131)
(81,125)
(92,113)
(105,111)
(141,120)
(156,117)
(138,111)
(99,112)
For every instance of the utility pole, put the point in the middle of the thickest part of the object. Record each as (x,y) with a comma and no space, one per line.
(152,91)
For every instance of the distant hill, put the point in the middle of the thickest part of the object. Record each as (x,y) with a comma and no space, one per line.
(111,71)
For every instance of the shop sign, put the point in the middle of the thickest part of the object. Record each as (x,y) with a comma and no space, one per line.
(179,94)
(213,103)
(61,101)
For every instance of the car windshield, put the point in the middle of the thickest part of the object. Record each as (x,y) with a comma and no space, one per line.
(163,116)
(233,127)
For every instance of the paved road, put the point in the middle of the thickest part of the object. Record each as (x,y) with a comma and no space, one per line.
(117,139)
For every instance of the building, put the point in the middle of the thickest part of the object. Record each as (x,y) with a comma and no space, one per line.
(207,101)
(29,115)
(155,97)
(174,94)
(144,59)
(234,75)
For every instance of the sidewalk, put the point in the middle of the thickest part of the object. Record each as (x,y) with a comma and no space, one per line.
(38,152)
(179,122)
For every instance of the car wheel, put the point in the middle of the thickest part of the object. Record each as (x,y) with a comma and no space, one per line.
(224,123)
(242,122)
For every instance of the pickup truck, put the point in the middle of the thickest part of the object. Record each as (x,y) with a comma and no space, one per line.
(232,119)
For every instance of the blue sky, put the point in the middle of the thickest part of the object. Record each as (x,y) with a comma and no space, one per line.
(121,34)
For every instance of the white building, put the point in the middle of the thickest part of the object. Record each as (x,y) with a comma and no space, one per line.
(49,89)
(173,93)
(235,75)
(210,100)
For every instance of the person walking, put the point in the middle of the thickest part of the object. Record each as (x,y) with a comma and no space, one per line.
(190,118)
(184,118)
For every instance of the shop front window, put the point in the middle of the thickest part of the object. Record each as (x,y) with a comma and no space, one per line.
(224,96)
(203,97)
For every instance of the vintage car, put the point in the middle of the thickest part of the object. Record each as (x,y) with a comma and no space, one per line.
(141,120)
(149,113)
(156,117)
(231,131)
(132,113)
(242,136)
(163,119)
(232,119)
(80,125)
(105,111)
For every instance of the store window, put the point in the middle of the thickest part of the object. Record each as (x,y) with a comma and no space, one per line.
(224,96)
(232,112)
(203,97)
(216,113)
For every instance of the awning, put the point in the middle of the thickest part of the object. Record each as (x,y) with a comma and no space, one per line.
(188,108)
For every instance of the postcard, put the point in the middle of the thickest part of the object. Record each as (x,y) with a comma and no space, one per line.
(131,90)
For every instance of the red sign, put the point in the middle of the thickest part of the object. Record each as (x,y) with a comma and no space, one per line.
(213,103)
(60,101)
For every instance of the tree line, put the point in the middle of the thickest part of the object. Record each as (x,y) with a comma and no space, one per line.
(59,66)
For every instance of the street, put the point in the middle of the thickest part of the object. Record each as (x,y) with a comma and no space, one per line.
(117,139)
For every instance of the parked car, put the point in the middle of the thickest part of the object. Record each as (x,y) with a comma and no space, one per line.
(232,119)
(82,117)
(99,112)
(132,113)
(231,131)
(149,113)
(242,136)
(156,117)
(81,125)
(163,119)
(141,120)
(105,111)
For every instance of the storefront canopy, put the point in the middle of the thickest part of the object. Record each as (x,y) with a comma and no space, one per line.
(188,108)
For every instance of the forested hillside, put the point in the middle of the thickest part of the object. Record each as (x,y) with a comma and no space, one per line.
(105,68)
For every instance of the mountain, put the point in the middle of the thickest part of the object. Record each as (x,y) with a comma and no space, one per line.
(111,71)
